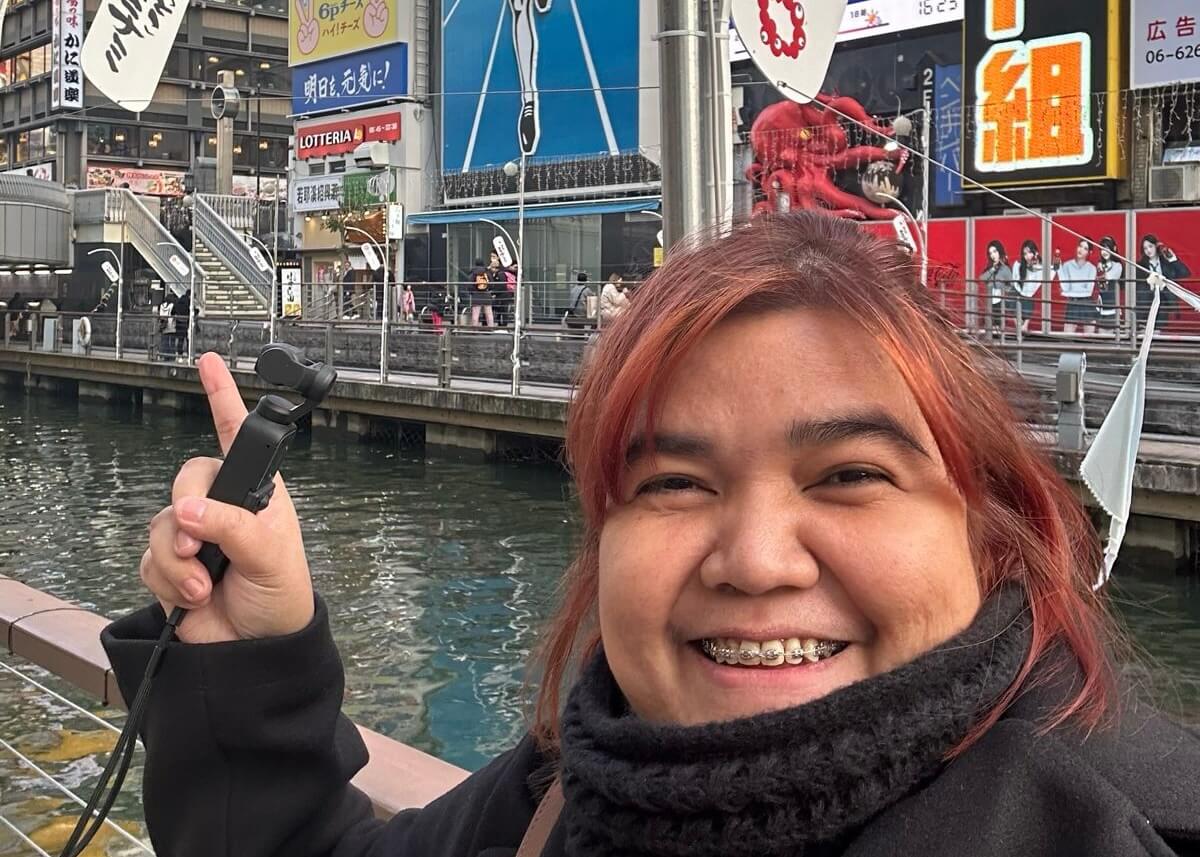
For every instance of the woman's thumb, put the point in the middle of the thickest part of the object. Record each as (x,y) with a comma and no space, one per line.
(241,536)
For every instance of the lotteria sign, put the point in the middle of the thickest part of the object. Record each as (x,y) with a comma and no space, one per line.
(318,139)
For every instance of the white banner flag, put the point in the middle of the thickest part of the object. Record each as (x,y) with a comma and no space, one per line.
(791,41)
(127,46)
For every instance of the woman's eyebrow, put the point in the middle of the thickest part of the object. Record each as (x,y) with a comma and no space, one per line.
(871,424)
(685,445)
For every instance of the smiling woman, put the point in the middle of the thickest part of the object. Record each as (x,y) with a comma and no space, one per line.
(831,600)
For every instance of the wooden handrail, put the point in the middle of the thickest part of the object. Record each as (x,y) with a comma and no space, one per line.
(64,639)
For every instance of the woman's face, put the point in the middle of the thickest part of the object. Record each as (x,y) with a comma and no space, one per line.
(1150,249)
(1105,253)
(993,255)
(795,501)
(1030,255)
(1082,251)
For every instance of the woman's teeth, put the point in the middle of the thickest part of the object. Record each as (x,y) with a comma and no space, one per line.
(769,653)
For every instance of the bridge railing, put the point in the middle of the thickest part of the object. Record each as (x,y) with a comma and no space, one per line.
(63,639)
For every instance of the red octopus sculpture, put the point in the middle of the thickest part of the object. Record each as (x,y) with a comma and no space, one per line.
(799,148)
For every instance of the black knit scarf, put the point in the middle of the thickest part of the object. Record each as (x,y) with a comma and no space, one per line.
(795,782)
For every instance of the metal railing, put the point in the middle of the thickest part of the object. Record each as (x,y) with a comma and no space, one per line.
(149,237)
(228,243)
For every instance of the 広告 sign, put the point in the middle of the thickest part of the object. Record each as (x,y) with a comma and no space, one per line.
(317,193)
(66,87)
(351,81)
(1164,43)
(364,190)
(866,18)
(1037,75)
(941,96)
(321,29)
(318,139)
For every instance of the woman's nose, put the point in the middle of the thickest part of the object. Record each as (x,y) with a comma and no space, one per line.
(763,543)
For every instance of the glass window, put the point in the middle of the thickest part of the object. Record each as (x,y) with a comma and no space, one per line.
(6,71)
(51,142)
(106,139)
(22,147)
(3,150)
(39,62)
(21,64)
(164,144)
(37,144)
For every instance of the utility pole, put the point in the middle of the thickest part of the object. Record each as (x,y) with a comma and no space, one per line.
(693,45)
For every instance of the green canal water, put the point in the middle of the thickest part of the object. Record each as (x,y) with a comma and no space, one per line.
(438,572)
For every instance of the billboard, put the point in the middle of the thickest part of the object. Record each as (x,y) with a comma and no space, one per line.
(66,87)
(347,82)
(149,182)
(1164,43)
(942,98)
(317,139)
(321,29)
(540,78)
(866,18)
(1039,76)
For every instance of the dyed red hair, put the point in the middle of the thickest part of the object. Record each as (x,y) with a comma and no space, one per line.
(1024,524)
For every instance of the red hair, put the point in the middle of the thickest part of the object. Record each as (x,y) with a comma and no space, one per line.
(1025,526)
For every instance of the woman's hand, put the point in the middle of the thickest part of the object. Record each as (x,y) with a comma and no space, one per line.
(267,591)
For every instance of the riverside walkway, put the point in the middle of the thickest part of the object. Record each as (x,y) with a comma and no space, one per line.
(455,389)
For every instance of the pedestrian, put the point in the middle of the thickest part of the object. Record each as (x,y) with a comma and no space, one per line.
(1077,282)
(613,300)
(499,277)
(16,309)
(480,293)
(1110,275)
(349,284)
(408,304)
(182,310)
(1030,277)
(843,610)
(1162,264)
(997,278)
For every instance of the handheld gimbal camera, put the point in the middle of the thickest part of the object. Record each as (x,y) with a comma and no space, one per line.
(247,479)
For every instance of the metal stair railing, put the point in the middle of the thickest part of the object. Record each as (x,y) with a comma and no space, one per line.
(219,228)
(148,236)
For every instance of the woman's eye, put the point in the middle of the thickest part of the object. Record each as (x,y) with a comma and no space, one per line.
(855,476)
(668,484)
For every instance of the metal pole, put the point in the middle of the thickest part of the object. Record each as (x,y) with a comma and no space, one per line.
(925,175)
(120,289)
(518,292)
(275,257)
(924,252)
(191,319)
(383,318)
(685,146)
(383,326)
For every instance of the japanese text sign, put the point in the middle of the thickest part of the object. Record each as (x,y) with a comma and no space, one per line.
(1164,40)
(351,81)
(66,88)
(319,193)
(127,46)
(1036,77)
(318,139)
(320,29)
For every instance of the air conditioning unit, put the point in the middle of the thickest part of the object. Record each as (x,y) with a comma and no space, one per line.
(1175,183)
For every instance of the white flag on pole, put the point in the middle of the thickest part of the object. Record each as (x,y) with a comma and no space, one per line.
(125,58)
(791,41)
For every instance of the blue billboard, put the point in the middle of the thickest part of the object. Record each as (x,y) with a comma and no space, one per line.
(947,134)
(547,78)
(353,80)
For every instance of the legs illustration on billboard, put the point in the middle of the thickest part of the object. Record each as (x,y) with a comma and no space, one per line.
(525,47)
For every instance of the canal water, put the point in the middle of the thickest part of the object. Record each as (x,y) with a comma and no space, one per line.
(438,572)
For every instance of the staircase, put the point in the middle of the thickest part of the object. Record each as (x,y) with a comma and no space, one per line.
(224,293)
(233,283)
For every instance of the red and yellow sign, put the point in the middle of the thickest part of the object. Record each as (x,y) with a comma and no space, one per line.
(318,139)
(1040,76)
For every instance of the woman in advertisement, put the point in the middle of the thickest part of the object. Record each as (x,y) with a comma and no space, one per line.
(1162,264)
(1110,283)
(1031,277)
(830,598)
(996,280)
(1077,281)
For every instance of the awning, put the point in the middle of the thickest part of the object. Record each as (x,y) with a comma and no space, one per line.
(563,209)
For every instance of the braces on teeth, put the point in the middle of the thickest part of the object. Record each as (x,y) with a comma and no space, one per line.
(798,652)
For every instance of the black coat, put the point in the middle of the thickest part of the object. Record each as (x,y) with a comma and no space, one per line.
(248,755)
(1144,293)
